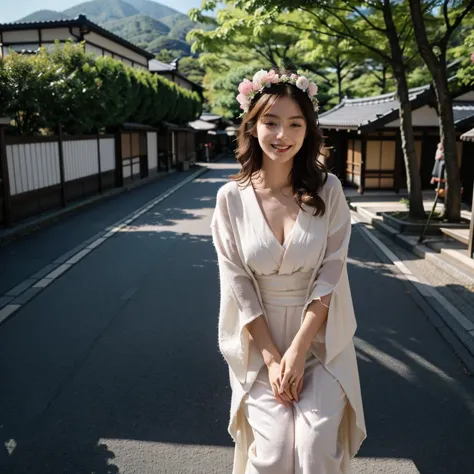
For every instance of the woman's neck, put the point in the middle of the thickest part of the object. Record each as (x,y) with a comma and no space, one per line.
(274,176)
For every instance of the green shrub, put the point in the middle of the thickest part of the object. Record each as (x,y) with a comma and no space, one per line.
(69,87)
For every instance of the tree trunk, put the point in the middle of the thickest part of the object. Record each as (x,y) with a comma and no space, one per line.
(447,132)
(384,79)
(415,196)
(412,165)
(339,80)
(437,68)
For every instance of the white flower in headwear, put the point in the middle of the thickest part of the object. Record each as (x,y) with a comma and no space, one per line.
(302,83)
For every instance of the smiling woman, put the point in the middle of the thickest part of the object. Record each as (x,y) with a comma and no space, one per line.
(281,124)
(281,230)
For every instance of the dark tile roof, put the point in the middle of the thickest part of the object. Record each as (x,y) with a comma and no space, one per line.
(358,113)
(202,125)
(80,21)
(463,112)
(157,66)
(208,117)
(468,136)
(162,68)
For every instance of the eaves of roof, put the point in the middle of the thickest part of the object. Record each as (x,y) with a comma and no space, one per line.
(81,22)
(385,109)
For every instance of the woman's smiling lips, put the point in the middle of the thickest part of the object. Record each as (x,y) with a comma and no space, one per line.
(281,148)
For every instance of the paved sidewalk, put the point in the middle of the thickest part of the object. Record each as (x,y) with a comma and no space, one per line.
(448,254)
(453,283)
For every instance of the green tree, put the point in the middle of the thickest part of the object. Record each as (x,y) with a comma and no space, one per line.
(381,28)
(433,40)
(190,67)
(22,90)
(83,94)
(167,55)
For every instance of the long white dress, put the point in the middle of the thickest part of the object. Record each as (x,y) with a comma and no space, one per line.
(259,276)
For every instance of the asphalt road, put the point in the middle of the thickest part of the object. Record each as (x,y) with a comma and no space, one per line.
(114,367)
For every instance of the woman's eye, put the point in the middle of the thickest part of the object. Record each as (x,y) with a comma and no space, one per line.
(297,125)
(269,123)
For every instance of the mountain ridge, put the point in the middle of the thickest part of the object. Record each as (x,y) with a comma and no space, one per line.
(137,21)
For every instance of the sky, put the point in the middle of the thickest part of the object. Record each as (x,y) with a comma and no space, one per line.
(14,10)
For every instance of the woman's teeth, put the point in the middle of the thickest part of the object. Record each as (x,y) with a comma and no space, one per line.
(282,148)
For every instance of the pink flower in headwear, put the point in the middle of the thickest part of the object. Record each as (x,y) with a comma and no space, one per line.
(272,77)
(293,77)
(243,100)
(245,87)
(472,57)
(312,89)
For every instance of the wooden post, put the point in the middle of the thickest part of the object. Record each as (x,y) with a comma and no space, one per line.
(363,159)
(399,162)
(471,232)
(61,167)
(99,162)
(7,203)
(158,153)
(186,145)
(118,159)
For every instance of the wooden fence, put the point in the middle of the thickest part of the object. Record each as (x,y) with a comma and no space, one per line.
(43,173)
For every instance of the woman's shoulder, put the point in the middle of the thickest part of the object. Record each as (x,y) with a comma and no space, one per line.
(333,184)
(228,194)
(229,189)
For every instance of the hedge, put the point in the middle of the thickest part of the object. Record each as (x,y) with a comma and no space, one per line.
(83,93)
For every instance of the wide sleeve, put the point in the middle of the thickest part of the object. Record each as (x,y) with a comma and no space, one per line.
(331,278)
(239,303)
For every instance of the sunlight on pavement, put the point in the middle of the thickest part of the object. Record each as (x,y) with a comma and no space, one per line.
(211,180)
(132,454)
(383,465)
(189,221)
(390,363)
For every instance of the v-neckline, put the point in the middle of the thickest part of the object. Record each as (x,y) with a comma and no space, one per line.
(288,239)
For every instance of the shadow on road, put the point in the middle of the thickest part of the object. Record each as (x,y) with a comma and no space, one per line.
(418,398)
(124,347)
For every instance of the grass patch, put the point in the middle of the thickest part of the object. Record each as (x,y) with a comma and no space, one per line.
(405,216)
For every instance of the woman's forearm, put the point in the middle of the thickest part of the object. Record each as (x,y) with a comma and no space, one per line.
(315,316)
(260,333)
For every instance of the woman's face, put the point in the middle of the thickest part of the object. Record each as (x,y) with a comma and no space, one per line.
(281,131)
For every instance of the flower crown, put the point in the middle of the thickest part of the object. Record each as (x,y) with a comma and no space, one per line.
(261,79)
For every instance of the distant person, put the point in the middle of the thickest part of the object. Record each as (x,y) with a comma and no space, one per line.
(281,230)
(437,174)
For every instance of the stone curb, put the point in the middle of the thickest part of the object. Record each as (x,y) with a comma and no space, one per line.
(22,228)
(421,250)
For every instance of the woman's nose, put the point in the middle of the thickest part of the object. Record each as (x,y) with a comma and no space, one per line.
(281,132)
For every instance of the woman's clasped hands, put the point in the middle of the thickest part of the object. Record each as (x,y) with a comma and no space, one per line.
(286,376)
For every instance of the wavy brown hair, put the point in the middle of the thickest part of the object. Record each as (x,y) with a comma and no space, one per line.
(307,175)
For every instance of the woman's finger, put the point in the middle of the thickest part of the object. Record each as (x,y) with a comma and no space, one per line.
(277,395)
(294,390)
(285,381)
(300,385)
(286,397)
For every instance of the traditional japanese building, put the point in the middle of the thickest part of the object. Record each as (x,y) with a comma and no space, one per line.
(29,36)
(171,72)
(363,145)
